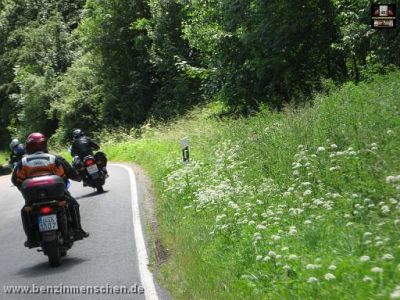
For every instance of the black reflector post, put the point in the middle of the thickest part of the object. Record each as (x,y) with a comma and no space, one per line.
(185,150)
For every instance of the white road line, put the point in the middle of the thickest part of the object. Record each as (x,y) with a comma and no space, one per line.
(150,291)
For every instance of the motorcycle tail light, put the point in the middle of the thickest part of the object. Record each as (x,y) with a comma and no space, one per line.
(89,162)
(46,210)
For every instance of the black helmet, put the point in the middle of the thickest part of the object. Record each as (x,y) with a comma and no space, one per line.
(77,133)
(14,143)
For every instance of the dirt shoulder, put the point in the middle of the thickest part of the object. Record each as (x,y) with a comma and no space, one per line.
(157,252)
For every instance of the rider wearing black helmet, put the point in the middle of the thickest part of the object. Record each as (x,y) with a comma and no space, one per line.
(17,151)
(83,146)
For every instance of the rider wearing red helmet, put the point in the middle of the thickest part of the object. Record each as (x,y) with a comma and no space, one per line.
(36,163)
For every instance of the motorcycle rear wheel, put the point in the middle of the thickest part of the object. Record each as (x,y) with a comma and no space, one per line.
(100,189)
(53,252)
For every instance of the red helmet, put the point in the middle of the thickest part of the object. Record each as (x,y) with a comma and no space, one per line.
(36,142)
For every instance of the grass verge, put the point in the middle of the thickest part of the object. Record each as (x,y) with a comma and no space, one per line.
(302,204)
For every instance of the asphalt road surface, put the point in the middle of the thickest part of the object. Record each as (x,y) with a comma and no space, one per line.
(104,261)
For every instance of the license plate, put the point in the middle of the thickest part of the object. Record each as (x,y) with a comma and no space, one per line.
(48,223)
(92,169)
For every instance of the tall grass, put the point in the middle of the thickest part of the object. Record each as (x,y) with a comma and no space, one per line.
(3,157)
(302,204)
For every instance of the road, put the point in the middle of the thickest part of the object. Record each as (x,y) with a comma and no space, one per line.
(107,258)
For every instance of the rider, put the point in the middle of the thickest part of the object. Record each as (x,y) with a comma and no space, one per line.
(17,151)
(38,162)
(83,146)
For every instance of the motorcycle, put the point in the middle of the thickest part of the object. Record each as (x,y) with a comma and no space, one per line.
(92,171)
(49,216)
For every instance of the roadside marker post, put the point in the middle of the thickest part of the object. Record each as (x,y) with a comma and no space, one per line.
(185,150)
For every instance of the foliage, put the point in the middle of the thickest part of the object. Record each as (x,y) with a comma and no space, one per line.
(104,65)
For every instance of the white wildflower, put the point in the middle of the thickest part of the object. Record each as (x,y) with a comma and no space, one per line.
(349,224)
(259,257)
(307,222)
(385,209)
(286,267)
(312,280)
(285,248)
(296,165)
(275,237)
(261,227)
(335,168)
(272,254)
(365,258)
(266,258)
(367,279)
(376,270)
(293,257)
(307,192)
(396,293)
(220,217)
(320,149)
(257,236)
(393,179)
(292,231)
(334,146)
(259,202)
(332,268)
(329,276)
(312,267)
(387,256)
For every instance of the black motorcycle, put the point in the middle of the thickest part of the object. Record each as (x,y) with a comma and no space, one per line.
(92,171)
(49,215)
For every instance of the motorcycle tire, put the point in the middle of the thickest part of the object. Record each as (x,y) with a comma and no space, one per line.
(52,250)
(99,189)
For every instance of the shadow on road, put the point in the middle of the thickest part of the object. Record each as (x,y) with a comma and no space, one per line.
(5,170)
(93,194)
(44,269)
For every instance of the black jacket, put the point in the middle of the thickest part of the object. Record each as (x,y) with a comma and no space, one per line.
(17,154)
(83,146)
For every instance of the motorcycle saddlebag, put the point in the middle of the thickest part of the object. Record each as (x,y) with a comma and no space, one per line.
(101,159)
(43,188)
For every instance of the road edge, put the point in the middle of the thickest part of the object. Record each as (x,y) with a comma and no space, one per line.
(141,250)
